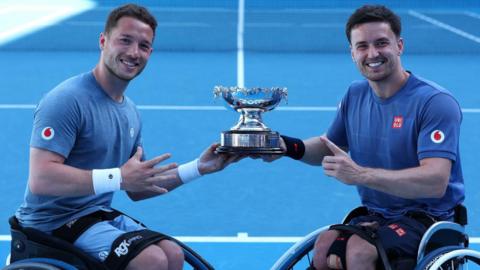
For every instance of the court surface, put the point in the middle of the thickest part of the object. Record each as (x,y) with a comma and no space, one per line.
(246,216)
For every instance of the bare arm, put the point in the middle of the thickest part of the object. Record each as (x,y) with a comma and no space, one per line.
(315,151)
(50,176)
(209,162)
(428,180)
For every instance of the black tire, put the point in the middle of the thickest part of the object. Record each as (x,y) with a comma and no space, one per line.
(192,259)
(30,266)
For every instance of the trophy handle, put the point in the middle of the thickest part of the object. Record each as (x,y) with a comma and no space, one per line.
(250,119)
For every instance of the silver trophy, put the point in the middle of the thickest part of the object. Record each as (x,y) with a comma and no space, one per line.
(250,135)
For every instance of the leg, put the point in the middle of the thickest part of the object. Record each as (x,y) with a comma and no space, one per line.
(361,255)
(322,245)
(151,258)
(174,254)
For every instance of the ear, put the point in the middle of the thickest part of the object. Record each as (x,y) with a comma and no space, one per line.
(351,54)
(101,41)
(400,46)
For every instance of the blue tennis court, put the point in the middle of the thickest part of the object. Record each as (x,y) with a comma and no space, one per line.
(246,216)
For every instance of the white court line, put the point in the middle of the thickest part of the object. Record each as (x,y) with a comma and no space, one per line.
(46,16)
(241,237)
(444,26)
(472,14)
(240,55)
(211,108)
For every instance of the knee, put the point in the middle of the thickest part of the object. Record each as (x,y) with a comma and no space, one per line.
(151,257)
(324,241)
(359,249)
(322,245)
(173,251)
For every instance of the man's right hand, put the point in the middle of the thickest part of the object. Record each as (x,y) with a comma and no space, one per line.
(140,176)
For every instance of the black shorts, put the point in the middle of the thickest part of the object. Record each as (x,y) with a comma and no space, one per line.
(400,237)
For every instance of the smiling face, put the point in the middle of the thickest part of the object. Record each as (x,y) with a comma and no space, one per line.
(126,48)
(376,50)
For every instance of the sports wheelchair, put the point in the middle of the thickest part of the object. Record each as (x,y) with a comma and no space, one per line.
(443,246)
(36,250)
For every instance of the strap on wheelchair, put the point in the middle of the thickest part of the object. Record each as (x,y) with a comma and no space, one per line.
(129,245)
(73,229)
(461,216)
(368,235)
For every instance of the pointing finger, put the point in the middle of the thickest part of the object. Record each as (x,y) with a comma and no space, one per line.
(164,168)
(154,161)
(138,154)
(337,151)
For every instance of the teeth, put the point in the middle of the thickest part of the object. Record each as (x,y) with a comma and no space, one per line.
(376,64)
(130,64)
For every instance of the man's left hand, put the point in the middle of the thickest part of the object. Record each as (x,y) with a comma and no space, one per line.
(340,165)
(211,161)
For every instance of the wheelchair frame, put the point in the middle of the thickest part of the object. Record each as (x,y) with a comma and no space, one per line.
(32,247)
(443,243)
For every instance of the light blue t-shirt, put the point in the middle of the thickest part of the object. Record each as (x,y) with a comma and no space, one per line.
(422,120)
(80,122)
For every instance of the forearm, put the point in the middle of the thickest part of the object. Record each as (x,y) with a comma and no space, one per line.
(423,181)
(315,151)
(169,185)
(57,179)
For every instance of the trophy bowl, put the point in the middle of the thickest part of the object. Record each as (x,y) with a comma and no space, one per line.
(250,135)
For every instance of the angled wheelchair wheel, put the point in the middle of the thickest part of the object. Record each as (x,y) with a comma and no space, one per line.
(300,255)
(193,259)
(449,258)
(39,264)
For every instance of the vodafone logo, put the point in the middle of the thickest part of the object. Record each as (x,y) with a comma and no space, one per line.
(437,136)
(48,133)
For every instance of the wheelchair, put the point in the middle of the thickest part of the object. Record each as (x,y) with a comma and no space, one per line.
(444,246)
(35,250)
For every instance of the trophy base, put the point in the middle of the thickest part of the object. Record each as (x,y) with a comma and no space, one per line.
(249,150)
(250,142)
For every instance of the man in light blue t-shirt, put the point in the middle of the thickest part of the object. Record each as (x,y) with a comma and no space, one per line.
(86,144)
(402,136)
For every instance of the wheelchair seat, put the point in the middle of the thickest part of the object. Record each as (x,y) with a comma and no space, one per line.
(34,249)
(445,243)
(30,243)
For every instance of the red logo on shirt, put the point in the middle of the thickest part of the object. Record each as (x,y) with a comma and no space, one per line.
(437,136)
(397,122)
(48,133)
(400,232)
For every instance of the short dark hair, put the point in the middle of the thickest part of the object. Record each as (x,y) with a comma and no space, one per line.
(130,10)
(373,13)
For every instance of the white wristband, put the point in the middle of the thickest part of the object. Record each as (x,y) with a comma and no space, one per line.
(106,180)
(189,171)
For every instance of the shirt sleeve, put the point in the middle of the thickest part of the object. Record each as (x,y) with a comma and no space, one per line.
(55,124)
(337,132)
(440,128)
(139,139)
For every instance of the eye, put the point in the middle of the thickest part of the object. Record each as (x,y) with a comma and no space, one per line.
(125,41)
(361,46)
(382,43)
(145,47)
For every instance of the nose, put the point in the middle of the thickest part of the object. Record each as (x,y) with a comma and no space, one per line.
(372,52)
(133,50)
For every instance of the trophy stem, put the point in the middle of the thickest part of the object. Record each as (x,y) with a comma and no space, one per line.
(250,119)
